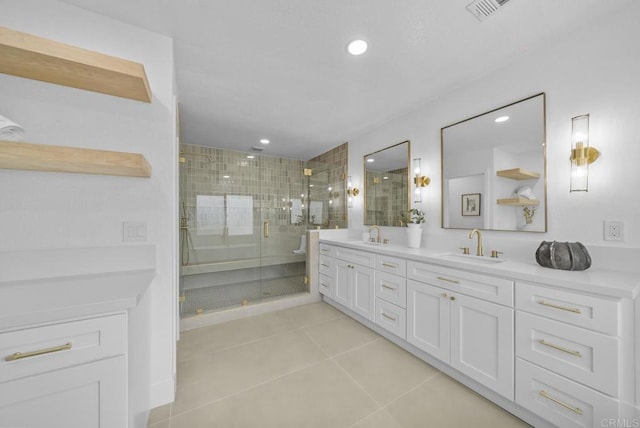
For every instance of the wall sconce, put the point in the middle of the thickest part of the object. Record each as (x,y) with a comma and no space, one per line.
(352,192)
(581,154)
(419,180)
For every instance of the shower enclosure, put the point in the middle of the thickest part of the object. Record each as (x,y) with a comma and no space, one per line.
(243,225)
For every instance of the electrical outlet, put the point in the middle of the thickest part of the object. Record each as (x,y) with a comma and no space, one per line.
(133,231)
(613,230)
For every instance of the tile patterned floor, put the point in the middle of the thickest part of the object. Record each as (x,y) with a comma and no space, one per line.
(311,366)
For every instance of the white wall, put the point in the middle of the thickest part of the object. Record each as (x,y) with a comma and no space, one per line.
(59,210)
(592,71)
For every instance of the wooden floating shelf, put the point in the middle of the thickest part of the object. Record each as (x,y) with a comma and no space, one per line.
(40,157)
(25,55)
(517,174)
(519,202)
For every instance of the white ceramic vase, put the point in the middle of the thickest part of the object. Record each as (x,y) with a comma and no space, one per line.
(414,235)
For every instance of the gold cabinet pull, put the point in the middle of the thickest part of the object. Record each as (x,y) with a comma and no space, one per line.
(324,285)
(560,348)
(577,410)
(388,287)
(389,317)
(563,308)
(21,355)
(442,278)
(323,265)
(388,265)
(324,249)
(266,228)
(453,297)
(444,295)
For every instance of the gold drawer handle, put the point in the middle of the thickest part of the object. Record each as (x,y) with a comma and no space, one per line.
(577,410)
(564,308)
(560,348)
(21,355)
(324,249)
(442,278)
(388,265)
(324,285)
(388,287)
(389,317)
(322,264)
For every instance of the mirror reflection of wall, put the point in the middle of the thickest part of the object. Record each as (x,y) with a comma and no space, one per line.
(386,185)
(501,156)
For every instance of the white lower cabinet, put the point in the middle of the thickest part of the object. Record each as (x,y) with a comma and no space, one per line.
(473,336)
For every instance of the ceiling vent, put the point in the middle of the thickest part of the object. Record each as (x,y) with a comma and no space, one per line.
(257,148)
(482,9)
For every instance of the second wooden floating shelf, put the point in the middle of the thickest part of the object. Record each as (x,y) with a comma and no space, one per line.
(37,58)
(517,174)
(41,157)
(519,202)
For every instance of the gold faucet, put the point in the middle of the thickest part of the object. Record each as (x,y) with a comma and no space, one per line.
(378,238)
(477,232)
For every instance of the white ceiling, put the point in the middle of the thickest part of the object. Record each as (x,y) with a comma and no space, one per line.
(278,69)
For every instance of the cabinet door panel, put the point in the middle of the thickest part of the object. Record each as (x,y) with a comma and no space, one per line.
(428,319)
(341,292)
(363,299)
(482,342)
(84,396)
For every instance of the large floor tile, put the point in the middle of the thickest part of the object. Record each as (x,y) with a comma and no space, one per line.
(319,396)
(378,419)
(209,377)
(443,402)
(313,313)
(384,370)
(217,337)
(340,335)
(159,414)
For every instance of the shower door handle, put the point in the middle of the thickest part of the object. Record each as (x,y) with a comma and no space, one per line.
(266,228)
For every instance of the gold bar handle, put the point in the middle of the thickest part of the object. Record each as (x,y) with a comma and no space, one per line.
(389,317)
(21,355)
(560,348)
(388,287)
(324,249)
(442,278)
(577,410)
(266,228)
(563,308)
(388,265)
(323,265)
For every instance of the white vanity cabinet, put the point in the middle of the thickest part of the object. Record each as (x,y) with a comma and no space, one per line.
(473,335)
(569,355)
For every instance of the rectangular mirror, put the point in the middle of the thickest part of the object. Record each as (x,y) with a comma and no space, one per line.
(494,169)
(386,185)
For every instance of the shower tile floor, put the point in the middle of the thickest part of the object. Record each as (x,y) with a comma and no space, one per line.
(225,296)
(311,366)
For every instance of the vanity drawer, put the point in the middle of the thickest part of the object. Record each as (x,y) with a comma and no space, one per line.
(327,266)
(40,349)
(561,401)
(594,313)
(363,258)
(485,287)
(394,265)
(391,318)
(392,288)
(327,250)
(325,285)
(585,356)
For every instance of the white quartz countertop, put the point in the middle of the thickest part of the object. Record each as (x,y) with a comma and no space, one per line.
(598,281)
(46,285)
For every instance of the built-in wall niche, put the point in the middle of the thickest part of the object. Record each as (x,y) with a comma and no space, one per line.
(497,160)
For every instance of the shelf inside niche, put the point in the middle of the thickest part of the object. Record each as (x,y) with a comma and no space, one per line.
(517,174)
(519,202)
(37,58)
(41,157)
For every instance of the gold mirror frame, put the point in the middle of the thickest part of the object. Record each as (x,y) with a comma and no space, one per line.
(522,210)
(393,219)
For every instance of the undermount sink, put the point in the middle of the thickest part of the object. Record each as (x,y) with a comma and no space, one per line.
(471,258)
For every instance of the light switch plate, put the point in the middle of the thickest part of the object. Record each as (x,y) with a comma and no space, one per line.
(134,231)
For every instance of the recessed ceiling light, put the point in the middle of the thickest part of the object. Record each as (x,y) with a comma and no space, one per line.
(385,178)
(502,119)
(225,176)
(264,141)
(250,157)
(371,160)
(357,47)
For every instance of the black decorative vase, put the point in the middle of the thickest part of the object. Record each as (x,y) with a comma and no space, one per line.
(563,255)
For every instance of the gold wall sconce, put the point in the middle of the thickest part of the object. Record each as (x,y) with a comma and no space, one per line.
(352,192)
(419,180)
(581,154)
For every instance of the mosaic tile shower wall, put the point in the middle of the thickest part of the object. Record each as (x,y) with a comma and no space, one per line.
(333,166)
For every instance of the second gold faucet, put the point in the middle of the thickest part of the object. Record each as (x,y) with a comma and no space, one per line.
(479,251)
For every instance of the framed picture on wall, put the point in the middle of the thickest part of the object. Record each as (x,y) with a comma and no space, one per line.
(471,204)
